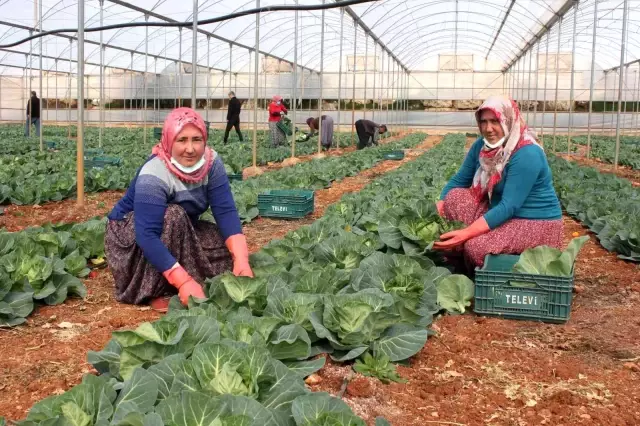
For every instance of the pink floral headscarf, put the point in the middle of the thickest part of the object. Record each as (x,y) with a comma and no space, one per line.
(173,125)
(493,161)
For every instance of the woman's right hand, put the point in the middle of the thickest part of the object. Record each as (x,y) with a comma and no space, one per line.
(190,288)
(184,283)
(440,207)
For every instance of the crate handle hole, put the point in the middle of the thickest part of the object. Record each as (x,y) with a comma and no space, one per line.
(523,284)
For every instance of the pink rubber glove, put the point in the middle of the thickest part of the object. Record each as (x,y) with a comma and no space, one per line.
(237,245)
(440,207)
(453,239)
(186,285)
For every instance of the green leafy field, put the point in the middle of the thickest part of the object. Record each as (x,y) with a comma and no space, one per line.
(28,176)
(602,147)
(608,205)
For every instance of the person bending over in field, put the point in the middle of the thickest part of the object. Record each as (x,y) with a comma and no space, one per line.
(327,129)
(503,191)
(368,132)
(276,110)
(155,244)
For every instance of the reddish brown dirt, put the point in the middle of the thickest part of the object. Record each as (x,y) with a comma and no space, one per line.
(16,218)
(489,371)
(43,357)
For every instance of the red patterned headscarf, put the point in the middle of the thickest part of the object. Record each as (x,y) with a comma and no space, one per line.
(173,125)
(494,160)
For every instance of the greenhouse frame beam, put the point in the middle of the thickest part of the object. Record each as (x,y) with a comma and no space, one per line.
(17,52)
(506,16)
(201,31)
(375,38)
(626,64)
(105,45)
(568,4)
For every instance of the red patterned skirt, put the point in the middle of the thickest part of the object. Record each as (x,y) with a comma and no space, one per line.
(512,237)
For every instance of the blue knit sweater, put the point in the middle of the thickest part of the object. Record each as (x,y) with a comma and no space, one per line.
(154,187)
(525,190)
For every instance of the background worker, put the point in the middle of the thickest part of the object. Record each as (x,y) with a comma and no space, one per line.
(233,117)
(369,132)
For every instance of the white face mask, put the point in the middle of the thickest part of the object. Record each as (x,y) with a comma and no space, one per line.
(189,169)
(493,145)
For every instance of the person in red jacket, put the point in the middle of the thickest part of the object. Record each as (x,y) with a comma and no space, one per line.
(276,109)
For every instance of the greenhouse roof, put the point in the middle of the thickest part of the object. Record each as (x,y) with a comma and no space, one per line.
(416,33)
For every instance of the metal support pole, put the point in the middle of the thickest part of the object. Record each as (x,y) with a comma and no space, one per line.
(321,76)
(625,17)
(388,91)
(593,75)
(209,77)
(544,94)
(394,94)
(529,85)
(604,104)
(145,76)
(80,132)
(35,14)
(535,93)
(381,81)
(353,89)
(101,104)
(176,86)
(56,91)
(230,73)
(521,97)
(295,82)
(194,55)
(340,75)
(375,73)
(179,69)
(573,69)
(40,71)
(555,110)
(638,103)
(132,91)
(255,92)
(366,72)
(69,88)
(625,92)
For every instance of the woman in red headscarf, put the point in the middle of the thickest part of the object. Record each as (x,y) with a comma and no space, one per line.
(155,243)
(276,109)
(503,191)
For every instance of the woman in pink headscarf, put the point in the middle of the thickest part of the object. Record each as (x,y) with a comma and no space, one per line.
(276,109)
(155,243)
(503,191)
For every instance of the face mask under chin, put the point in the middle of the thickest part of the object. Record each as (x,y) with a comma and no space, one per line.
(493,145)
(188,169)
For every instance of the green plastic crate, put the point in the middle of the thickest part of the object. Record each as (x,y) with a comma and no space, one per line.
(285,203)
(51,145)
(93,151)
(534,297)
(393,155)
(99,162)
(234,176)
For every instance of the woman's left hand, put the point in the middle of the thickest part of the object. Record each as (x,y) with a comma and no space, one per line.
(452,239)
(242,269)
